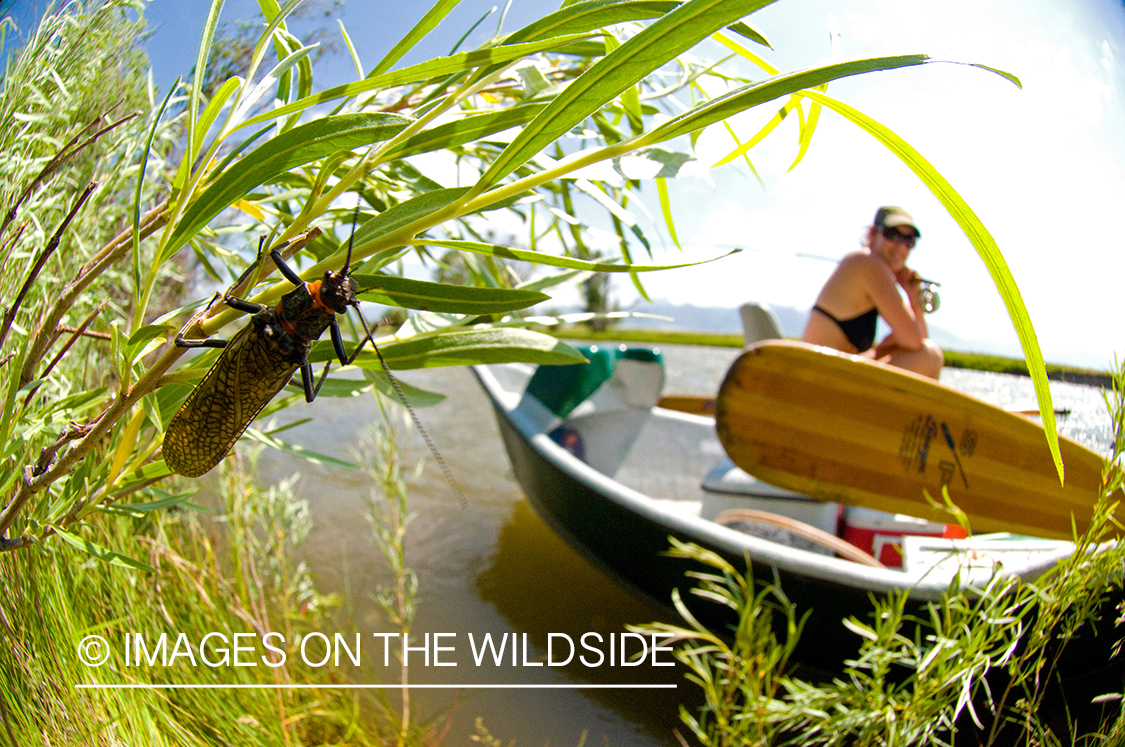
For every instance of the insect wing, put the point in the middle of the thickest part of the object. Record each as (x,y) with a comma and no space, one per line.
(248,374)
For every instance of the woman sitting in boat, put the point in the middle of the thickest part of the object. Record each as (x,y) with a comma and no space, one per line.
(865,287)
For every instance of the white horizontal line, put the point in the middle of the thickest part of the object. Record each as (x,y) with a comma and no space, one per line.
(84,686)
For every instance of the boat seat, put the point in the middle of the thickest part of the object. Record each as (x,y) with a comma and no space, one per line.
(614,379)
(562,388)
(759,322)
(637,381)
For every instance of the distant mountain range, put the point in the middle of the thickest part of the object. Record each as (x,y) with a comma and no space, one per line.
(727,320)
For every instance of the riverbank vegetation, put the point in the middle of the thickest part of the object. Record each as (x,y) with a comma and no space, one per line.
(953,358)
(126,207)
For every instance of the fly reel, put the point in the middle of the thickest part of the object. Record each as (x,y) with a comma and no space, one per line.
(931,300)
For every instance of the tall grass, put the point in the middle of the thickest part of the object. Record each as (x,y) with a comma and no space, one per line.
(233,572)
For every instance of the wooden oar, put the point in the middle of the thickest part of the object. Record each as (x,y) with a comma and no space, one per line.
(693,405)
(697,405)
(846,429)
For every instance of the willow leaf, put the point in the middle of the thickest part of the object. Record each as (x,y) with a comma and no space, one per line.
(432,18)
(443,297)
(666,209)
(299,146)
(757,93)
(571,263)
(467,129)
(664,39)
(195,93)
(101,553)
(300,452)
(439,67)
(761,134)
(476,345)
(404,214)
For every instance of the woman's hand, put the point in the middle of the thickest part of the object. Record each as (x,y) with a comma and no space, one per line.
(911,282)
(909,279)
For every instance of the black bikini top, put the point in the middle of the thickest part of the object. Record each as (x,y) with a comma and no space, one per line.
(860,330)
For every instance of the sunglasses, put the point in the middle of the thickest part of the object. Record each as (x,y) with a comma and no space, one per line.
(906,239)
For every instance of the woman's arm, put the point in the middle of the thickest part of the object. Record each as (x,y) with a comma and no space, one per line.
(907,320)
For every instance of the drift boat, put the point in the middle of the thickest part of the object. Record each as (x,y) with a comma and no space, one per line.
(616,475)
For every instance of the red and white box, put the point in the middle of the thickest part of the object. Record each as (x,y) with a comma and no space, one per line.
(881,533)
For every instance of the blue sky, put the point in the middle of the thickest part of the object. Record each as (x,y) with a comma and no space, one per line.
(1042,166)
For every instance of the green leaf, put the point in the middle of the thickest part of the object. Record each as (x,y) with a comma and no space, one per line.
(987,249)
(456,299)
(760,135)
(101,553)
(402,215)
(747,31)
(195,137)
(440,67)
(334,386)
(140,509)
(141,338)
(434,16)
(298,451)
(574,18)
(666,209)
(808,127)
(774,87)
(549,281)
(415,397)
(301,145)
(475,346)
(494,250)
(218,101)
(467,129)
(674,33)
(145,155)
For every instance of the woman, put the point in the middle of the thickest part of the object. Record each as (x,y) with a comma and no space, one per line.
(865,287)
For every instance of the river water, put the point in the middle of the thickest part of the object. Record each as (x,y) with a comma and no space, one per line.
(493,567)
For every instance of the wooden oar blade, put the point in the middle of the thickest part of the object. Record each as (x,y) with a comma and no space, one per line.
(846,429)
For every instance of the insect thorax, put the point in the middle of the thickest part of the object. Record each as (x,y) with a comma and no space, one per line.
(298,315)
(285,343)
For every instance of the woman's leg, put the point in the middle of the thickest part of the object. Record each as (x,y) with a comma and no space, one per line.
(926,361)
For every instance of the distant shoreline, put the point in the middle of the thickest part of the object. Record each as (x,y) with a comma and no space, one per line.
(953,359)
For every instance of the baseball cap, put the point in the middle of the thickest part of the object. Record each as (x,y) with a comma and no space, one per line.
(890,216)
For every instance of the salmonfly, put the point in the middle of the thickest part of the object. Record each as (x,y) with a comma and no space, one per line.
(261,359)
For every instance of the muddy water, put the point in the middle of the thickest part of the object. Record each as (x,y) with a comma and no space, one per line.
(495,568)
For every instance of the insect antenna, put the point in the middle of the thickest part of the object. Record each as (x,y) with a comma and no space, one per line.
(442,464)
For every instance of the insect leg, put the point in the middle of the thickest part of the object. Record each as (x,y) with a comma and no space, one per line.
(234,303)
(183,342)
(285,270)
(307,378)
(240,305)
